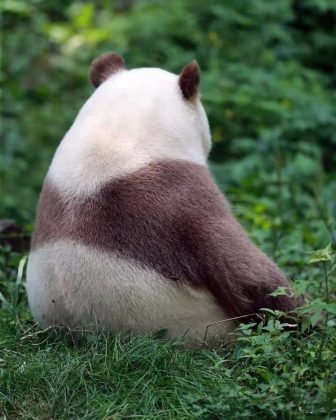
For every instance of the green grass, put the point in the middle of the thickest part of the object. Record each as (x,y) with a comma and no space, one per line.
(270,373)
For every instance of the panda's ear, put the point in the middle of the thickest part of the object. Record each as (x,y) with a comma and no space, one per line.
(104,66)
(189,80)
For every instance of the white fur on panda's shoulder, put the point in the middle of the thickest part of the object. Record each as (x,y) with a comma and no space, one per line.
(135,117)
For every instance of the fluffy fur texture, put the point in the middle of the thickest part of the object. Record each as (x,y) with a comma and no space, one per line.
(132,232)
(94,289)
(169,216)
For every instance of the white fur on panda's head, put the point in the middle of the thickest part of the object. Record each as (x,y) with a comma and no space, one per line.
(134,117)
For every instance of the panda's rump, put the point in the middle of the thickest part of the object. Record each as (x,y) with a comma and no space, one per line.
(74,285)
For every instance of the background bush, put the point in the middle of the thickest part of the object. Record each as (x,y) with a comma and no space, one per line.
(268,85)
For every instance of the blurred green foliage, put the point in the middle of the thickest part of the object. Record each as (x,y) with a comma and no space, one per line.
(268,86)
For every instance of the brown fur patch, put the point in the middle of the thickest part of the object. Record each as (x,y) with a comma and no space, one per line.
(189,80)
(104,66)
(170,216)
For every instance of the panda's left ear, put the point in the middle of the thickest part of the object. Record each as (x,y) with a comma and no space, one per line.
(189,80)
(104,66)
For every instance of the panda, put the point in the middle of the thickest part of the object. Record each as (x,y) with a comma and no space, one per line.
(132,234)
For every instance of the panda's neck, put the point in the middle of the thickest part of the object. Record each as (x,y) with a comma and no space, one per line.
(80,168)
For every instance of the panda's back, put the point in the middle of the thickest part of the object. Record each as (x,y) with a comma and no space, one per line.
(124,258)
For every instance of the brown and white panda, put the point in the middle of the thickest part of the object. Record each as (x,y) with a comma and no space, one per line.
(132,234)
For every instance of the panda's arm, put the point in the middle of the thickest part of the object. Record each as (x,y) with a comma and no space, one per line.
(217,254)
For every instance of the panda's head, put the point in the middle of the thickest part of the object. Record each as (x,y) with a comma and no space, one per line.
(132,118)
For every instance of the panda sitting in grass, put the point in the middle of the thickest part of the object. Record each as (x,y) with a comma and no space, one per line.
(132,233)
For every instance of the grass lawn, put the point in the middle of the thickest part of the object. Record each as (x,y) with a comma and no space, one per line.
(271,373)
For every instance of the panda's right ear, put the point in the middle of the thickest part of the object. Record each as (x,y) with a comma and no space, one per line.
(189,80)
(104,66)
